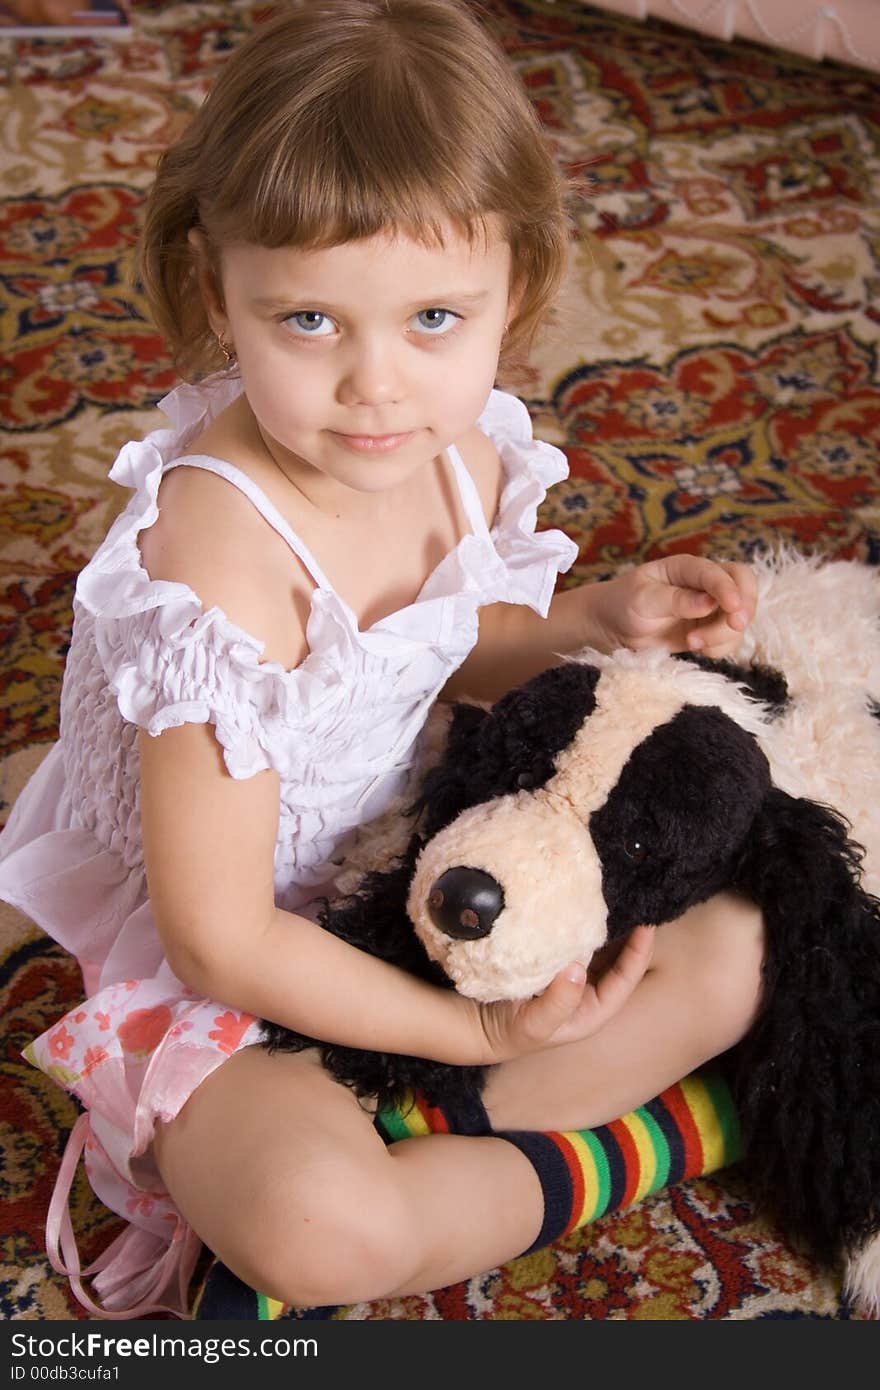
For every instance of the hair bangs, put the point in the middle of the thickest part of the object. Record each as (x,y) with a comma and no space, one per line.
(352,173)
(341,120)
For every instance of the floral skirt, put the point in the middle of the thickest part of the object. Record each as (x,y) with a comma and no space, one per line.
(133,1054)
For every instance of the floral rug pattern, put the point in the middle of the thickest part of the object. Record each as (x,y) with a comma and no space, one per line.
(711,371)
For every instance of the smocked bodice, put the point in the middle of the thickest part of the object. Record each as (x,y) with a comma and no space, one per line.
(340,729)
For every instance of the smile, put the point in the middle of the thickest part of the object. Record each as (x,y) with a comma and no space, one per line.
(372,443)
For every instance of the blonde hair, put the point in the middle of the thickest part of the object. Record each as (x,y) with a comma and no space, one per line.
(341,119)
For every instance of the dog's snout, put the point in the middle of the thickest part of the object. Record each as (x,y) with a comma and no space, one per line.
(464,903)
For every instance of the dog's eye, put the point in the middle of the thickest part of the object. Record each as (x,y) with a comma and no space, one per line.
(526,780)
(635,846)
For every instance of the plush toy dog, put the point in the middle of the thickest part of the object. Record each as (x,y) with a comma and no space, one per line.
(615,790)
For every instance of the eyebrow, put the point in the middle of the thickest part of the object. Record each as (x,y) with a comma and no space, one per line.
(469,301)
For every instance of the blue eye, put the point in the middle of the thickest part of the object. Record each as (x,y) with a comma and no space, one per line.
(310,323)
(436,322)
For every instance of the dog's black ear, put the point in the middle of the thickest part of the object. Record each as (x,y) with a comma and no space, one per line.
(763,683)
(510,747)
(672,828)
(443,793)
(807,1075)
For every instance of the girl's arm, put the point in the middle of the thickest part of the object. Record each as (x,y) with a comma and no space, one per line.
(516,643)
(209,847)
(681,602)
(209,843)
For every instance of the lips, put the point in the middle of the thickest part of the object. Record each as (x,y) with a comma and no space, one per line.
(373,443)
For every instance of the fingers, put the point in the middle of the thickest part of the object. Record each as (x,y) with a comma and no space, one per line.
(615,986)
(720,634)
(664,591)
(715,641)
(718,598)
(547,1012)
(572,1007)
(747,583)
(714,597)
(730,584)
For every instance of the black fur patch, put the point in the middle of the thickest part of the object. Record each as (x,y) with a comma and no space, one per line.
(807,1074)
(676,821)
(763,683)
(488,753)
(510,747)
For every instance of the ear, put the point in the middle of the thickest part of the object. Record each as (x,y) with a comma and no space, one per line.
(444,787)
(807,1075)
(515,297)
(208,277)
(510,747)
(763,683)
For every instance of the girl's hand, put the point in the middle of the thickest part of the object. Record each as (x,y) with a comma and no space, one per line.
(681,603)
(573,1006)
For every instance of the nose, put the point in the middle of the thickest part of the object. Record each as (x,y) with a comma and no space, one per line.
(464,903)
(371,375)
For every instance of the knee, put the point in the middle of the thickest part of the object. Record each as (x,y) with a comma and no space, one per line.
(327,1238)
(730,969)
(716,951)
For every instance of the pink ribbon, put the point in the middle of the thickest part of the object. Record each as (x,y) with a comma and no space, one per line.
(136,1265)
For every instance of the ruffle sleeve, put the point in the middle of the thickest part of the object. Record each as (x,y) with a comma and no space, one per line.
(532,560)
(170,666)
(167,659)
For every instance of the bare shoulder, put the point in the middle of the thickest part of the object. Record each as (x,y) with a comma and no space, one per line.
(481,459)
(209,536)
(206,534)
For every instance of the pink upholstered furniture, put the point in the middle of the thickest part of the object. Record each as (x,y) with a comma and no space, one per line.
(845,30)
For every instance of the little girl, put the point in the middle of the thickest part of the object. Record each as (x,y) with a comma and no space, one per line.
(337,529)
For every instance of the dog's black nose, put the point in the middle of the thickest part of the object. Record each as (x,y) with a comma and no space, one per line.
(465,902)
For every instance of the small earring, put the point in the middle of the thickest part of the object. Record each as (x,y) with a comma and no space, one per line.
(228,352)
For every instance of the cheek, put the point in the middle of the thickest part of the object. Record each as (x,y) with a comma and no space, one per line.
(283,392)
(465,389)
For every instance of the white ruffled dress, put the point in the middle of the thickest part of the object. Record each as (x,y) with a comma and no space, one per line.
(341,731)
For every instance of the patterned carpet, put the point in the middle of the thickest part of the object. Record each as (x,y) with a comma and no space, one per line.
(711,373)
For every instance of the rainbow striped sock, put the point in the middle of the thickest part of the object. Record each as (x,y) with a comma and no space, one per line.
(689,1130)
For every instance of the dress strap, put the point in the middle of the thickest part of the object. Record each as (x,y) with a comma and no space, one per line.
(467,491)
(137,1263)
(255,494)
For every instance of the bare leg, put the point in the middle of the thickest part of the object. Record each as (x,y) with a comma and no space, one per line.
(281,1173)
(696,1000)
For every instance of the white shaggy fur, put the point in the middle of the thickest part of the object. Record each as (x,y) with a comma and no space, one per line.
(820,625)
(862,1282)
(817,623)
